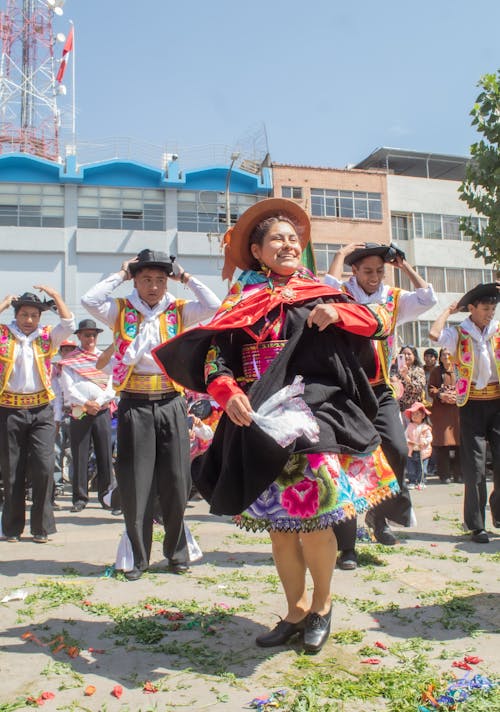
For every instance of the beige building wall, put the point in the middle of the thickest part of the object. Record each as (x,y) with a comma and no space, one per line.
(331,229)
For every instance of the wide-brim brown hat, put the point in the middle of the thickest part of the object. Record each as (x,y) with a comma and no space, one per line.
(387,252)
(153,259)
(28,299)
(236,240)
(480,291)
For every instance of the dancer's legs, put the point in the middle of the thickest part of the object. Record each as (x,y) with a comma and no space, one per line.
(291,567)
(320,555)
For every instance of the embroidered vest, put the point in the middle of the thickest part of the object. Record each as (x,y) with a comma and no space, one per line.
(384,349)
(465,362)
(126,329)
(43,351)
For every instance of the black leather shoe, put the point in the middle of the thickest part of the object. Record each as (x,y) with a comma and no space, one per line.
(480,536)
(381,530)
(12,539)
(316,631)
(348,560)
(133,575)
(40,538)
(280,634)
(180,568)
(78,507)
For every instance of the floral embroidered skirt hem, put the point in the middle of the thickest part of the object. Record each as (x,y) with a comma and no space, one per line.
(318,490)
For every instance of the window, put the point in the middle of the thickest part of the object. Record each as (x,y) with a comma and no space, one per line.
(432,226)
(347,204)
(401,280)
(205,211)
(121,208)
(436,277)
(31,205)
(399,227)
(288,191)
(455,280)
(324,252)
(406,334)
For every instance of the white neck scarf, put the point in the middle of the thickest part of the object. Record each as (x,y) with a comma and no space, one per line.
(148,334)
(23,339)
(361,296)
(482,340)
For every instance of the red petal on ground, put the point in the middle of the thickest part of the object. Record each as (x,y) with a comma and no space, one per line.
(117,691)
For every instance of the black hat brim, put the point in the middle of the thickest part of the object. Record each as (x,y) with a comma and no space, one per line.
(41,306)
(480,291)
(134,267)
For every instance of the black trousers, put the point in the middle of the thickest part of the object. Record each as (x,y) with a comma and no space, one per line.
(81,431)
(153,461)
(390,428)
(479,425)
(27,437)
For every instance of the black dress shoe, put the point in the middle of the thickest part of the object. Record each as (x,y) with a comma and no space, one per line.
(133,575)
(316,631)
(348,560)
(12,539)
(480,536)
(40,538)
(182,567)
(381,530)
(280,634)
(78,507)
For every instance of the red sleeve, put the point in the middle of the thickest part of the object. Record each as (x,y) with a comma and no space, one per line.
(356,318)
(222,389)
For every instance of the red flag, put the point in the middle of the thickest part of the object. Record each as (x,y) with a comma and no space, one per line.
(68,46)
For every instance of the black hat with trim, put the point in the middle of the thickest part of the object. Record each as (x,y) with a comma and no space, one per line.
(28,299)
(387,252)
(487,292)
(152,259)
(88,325)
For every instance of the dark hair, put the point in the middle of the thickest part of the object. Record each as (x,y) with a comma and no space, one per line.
(417,361)
(431,352)
(20,306)
(261,229)
(484,300)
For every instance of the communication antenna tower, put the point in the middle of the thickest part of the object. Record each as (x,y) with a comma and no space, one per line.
(29,116)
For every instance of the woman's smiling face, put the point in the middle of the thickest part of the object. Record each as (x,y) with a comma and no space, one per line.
(280,250)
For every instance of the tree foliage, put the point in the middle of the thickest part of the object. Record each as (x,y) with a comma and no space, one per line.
(481,186)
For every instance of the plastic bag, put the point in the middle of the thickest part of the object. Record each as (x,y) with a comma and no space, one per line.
(195,553)
(285,416)
(124,555)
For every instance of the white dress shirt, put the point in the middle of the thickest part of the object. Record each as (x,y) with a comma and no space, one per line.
(78,390)
(410,305)
(485,369)
(98,302)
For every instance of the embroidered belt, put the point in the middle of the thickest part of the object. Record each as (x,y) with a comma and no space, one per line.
(24,400)
(257,357)
(147,383)
(489,392)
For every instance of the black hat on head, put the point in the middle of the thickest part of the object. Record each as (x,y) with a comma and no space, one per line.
(152,258)
(387,252)
(479,292)
(88,325)
(28,299)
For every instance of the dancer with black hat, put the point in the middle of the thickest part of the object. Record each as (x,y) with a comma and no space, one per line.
(367,286)
(89,392)
(475,345)
(27,428)
(153,438)
(279,327)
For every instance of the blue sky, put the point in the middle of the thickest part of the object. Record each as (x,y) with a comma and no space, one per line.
(330,80)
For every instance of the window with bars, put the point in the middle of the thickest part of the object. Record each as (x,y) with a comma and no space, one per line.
(205,210)
(348,204)
(293,192)
(31,205)
(121,208)
(433,226)
(400,225)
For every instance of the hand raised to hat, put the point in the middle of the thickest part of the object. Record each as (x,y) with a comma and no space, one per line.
(7,301)
(62,308)
(125,267)
(50,291)
(179,274)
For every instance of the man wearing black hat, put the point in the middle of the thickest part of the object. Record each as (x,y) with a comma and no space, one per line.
(367,286)
(89,391)
(475,345)
(153,438)
(27,428)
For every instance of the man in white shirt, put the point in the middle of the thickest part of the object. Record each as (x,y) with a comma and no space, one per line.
(367,286)
(153,439)
(27,428)
(475,345)
(89,393)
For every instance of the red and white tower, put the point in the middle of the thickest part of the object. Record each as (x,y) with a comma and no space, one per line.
(29,115)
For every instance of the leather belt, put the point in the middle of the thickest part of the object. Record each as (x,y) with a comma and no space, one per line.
(150,396)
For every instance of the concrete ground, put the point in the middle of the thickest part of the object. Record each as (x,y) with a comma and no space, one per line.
(187,642)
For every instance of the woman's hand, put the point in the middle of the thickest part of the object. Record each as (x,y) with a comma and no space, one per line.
(239,410)
(323,315)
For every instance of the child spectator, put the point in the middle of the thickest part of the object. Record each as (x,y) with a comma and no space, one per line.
(419,439)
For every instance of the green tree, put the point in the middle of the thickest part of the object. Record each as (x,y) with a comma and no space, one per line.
(481,186)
